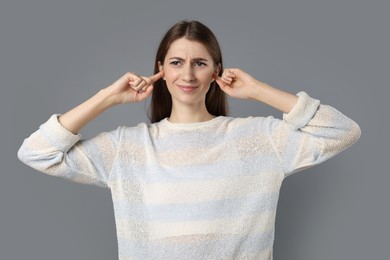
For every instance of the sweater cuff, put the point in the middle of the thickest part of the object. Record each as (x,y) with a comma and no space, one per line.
(303,111)
(57,135)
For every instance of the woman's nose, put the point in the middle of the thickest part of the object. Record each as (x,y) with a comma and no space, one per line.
(188,73)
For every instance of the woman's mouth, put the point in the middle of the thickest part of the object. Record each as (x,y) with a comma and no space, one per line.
(187,88)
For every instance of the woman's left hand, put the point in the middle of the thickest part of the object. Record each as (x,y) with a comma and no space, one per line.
(238,84)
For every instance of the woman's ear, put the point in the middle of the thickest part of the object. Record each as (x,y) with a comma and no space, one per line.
(160,67)
(218,68)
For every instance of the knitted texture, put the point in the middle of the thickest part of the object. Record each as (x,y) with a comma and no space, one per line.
(205,190)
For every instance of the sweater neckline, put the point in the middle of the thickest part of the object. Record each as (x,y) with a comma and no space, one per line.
(167,123)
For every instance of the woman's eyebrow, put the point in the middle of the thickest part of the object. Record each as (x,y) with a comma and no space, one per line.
(199,59)
(194,59)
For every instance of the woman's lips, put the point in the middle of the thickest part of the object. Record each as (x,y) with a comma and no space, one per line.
(186,88)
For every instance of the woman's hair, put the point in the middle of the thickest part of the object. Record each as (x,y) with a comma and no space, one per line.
(161,103)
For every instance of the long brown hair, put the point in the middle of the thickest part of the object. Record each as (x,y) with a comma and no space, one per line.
(161,103)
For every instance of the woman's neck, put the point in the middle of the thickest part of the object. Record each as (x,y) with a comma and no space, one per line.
(189,114)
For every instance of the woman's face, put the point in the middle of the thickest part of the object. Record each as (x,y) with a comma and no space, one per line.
(188,69)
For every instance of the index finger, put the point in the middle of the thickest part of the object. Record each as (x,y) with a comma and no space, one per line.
(157,76)
(220,81)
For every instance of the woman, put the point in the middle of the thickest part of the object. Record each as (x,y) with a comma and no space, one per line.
(195,183)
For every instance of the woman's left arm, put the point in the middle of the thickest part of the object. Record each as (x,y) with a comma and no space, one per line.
(309,133)
(239,84)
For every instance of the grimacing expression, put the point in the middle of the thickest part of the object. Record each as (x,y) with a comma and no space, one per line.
(188,70)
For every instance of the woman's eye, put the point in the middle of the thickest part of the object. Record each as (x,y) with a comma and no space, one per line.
(175,62)
(200,64)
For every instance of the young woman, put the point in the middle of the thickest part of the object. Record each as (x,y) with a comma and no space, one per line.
(194,183)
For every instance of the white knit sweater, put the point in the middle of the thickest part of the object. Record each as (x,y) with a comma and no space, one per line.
(205,190)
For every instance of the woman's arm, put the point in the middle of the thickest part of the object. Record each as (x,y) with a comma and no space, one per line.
(237,83)
(56,149)
(309,133)
(127,89)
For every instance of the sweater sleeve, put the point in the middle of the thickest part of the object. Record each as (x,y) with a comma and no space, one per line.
(311,133)
(54,150)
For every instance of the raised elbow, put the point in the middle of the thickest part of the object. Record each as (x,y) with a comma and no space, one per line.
(22,154)
(352,135)
(356,132)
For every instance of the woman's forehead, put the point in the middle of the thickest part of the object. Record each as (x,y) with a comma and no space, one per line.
(186,48)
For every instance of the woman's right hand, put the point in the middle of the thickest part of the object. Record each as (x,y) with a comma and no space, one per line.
(132,88)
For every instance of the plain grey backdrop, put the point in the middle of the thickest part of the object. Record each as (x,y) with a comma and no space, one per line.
(56,54)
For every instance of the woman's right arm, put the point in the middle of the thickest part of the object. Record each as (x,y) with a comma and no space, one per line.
(127,89)
(56,149)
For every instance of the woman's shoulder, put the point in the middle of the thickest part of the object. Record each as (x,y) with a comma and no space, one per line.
(132,129)
(251,120)
(126,131)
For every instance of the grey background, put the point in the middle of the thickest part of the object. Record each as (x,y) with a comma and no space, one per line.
(56,54)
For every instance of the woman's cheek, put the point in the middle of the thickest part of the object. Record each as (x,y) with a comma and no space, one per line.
(208,75)
(170,74)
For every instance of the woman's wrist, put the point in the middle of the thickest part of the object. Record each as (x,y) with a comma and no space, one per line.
(106,98)
(259,91)
(81,115)
(277,98)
